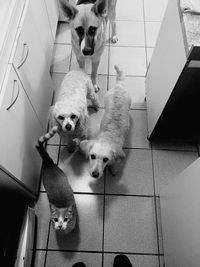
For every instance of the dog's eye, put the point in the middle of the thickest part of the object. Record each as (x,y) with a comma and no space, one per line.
(105,160)
(92,30)
(73,116)
(92,156)
(80,31)
(60,117)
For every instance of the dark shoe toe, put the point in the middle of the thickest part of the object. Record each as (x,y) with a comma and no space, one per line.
(122,261)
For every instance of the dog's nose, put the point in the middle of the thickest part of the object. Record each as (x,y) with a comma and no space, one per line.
(95,174)
(68,127)
(87,51)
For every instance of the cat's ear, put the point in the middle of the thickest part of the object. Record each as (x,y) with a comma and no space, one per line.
(52,208)
(69,11)
(86,145)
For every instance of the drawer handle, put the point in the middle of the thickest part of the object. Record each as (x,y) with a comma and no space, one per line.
(15,99)
(26,55)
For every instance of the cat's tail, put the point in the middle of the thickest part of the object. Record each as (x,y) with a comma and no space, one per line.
(40,145)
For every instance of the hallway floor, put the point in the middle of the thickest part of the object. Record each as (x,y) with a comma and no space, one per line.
(116,214)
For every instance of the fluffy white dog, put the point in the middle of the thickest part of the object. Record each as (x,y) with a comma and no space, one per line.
(70,111)
(106,149)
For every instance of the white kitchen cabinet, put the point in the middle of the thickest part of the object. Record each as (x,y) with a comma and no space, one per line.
(53,14)
(180,214)
(30,63)
(44,28)
(20,129)
(172,79)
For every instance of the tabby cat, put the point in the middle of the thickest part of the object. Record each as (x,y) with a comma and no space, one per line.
(60,194)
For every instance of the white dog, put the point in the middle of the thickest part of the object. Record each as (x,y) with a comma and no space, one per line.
(70,111)
(106,149)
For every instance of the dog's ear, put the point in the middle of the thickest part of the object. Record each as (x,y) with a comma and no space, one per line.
(69,11)
(100,8)
(86,145)
(119,154)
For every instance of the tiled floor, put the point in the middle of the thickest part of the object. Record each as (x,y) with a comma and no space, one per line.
(116,214)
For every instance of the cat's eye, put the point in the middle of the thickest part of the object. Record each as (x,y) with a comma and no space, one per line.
(60,117)
(105,160)
(56,219)
(92,30)
(65,219)
(92,156)
(73,116)
(80,31)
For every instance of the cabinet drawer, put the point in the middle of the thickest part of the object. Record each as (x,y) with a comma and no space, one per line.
(30,64)
(20,128)
(44,29)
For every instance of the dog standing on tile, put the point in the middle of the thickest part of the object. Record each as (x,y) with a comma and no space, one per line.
(88,20)
(106,149)
(70,112)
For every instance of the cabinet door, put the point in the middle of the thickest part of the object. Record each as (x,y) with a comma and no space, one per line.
(53,13)
(180,213)
(43,27)
(20,129)
(30,64)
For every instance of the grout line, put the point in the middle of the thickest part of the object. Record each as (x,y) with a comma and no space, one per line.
(155,205)
(47,244)
(100,252)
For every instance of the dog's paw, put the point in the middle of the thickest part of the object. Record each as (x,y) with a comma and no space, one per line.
(96,87)
(114,39)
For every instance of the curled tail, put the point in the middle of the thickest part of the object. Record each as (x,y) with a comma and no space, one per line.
(120,74)
(40,145)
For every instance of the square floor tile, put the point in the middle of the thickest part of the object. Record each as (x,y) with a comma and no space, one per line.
(61,58)
(130,33)
(154,10)
(67,259)
(39,258)
(168,164)
(136,260)
(103,65)
(63,34)
(131,59)
(76,167)
(135,176)
(43,216)
(136,88)
(87,236)
(152,31)
(137,136)
(130,225)
(129,10)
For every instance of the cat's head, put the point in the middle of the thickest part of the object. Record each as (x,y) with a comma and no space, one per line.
(61,218)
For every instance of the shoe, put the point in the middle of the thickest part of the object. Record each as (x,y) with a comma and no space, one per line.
(79,264)
(122,261)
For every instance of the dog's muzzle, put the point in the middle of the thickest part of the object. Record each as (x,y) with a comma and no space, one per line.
(68,127)
(88,51)
(95,174)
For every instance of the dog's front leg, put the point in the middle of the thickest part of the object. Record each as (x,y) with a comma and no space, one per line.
(81,63)
(95,65)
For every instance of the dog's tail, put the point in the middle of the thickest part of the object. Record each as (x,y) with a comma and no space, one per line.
(40,145)
(120,74)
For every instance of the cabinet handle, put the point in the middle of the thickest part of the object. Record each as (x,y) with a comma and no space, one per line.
(15,99)
(26,55)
